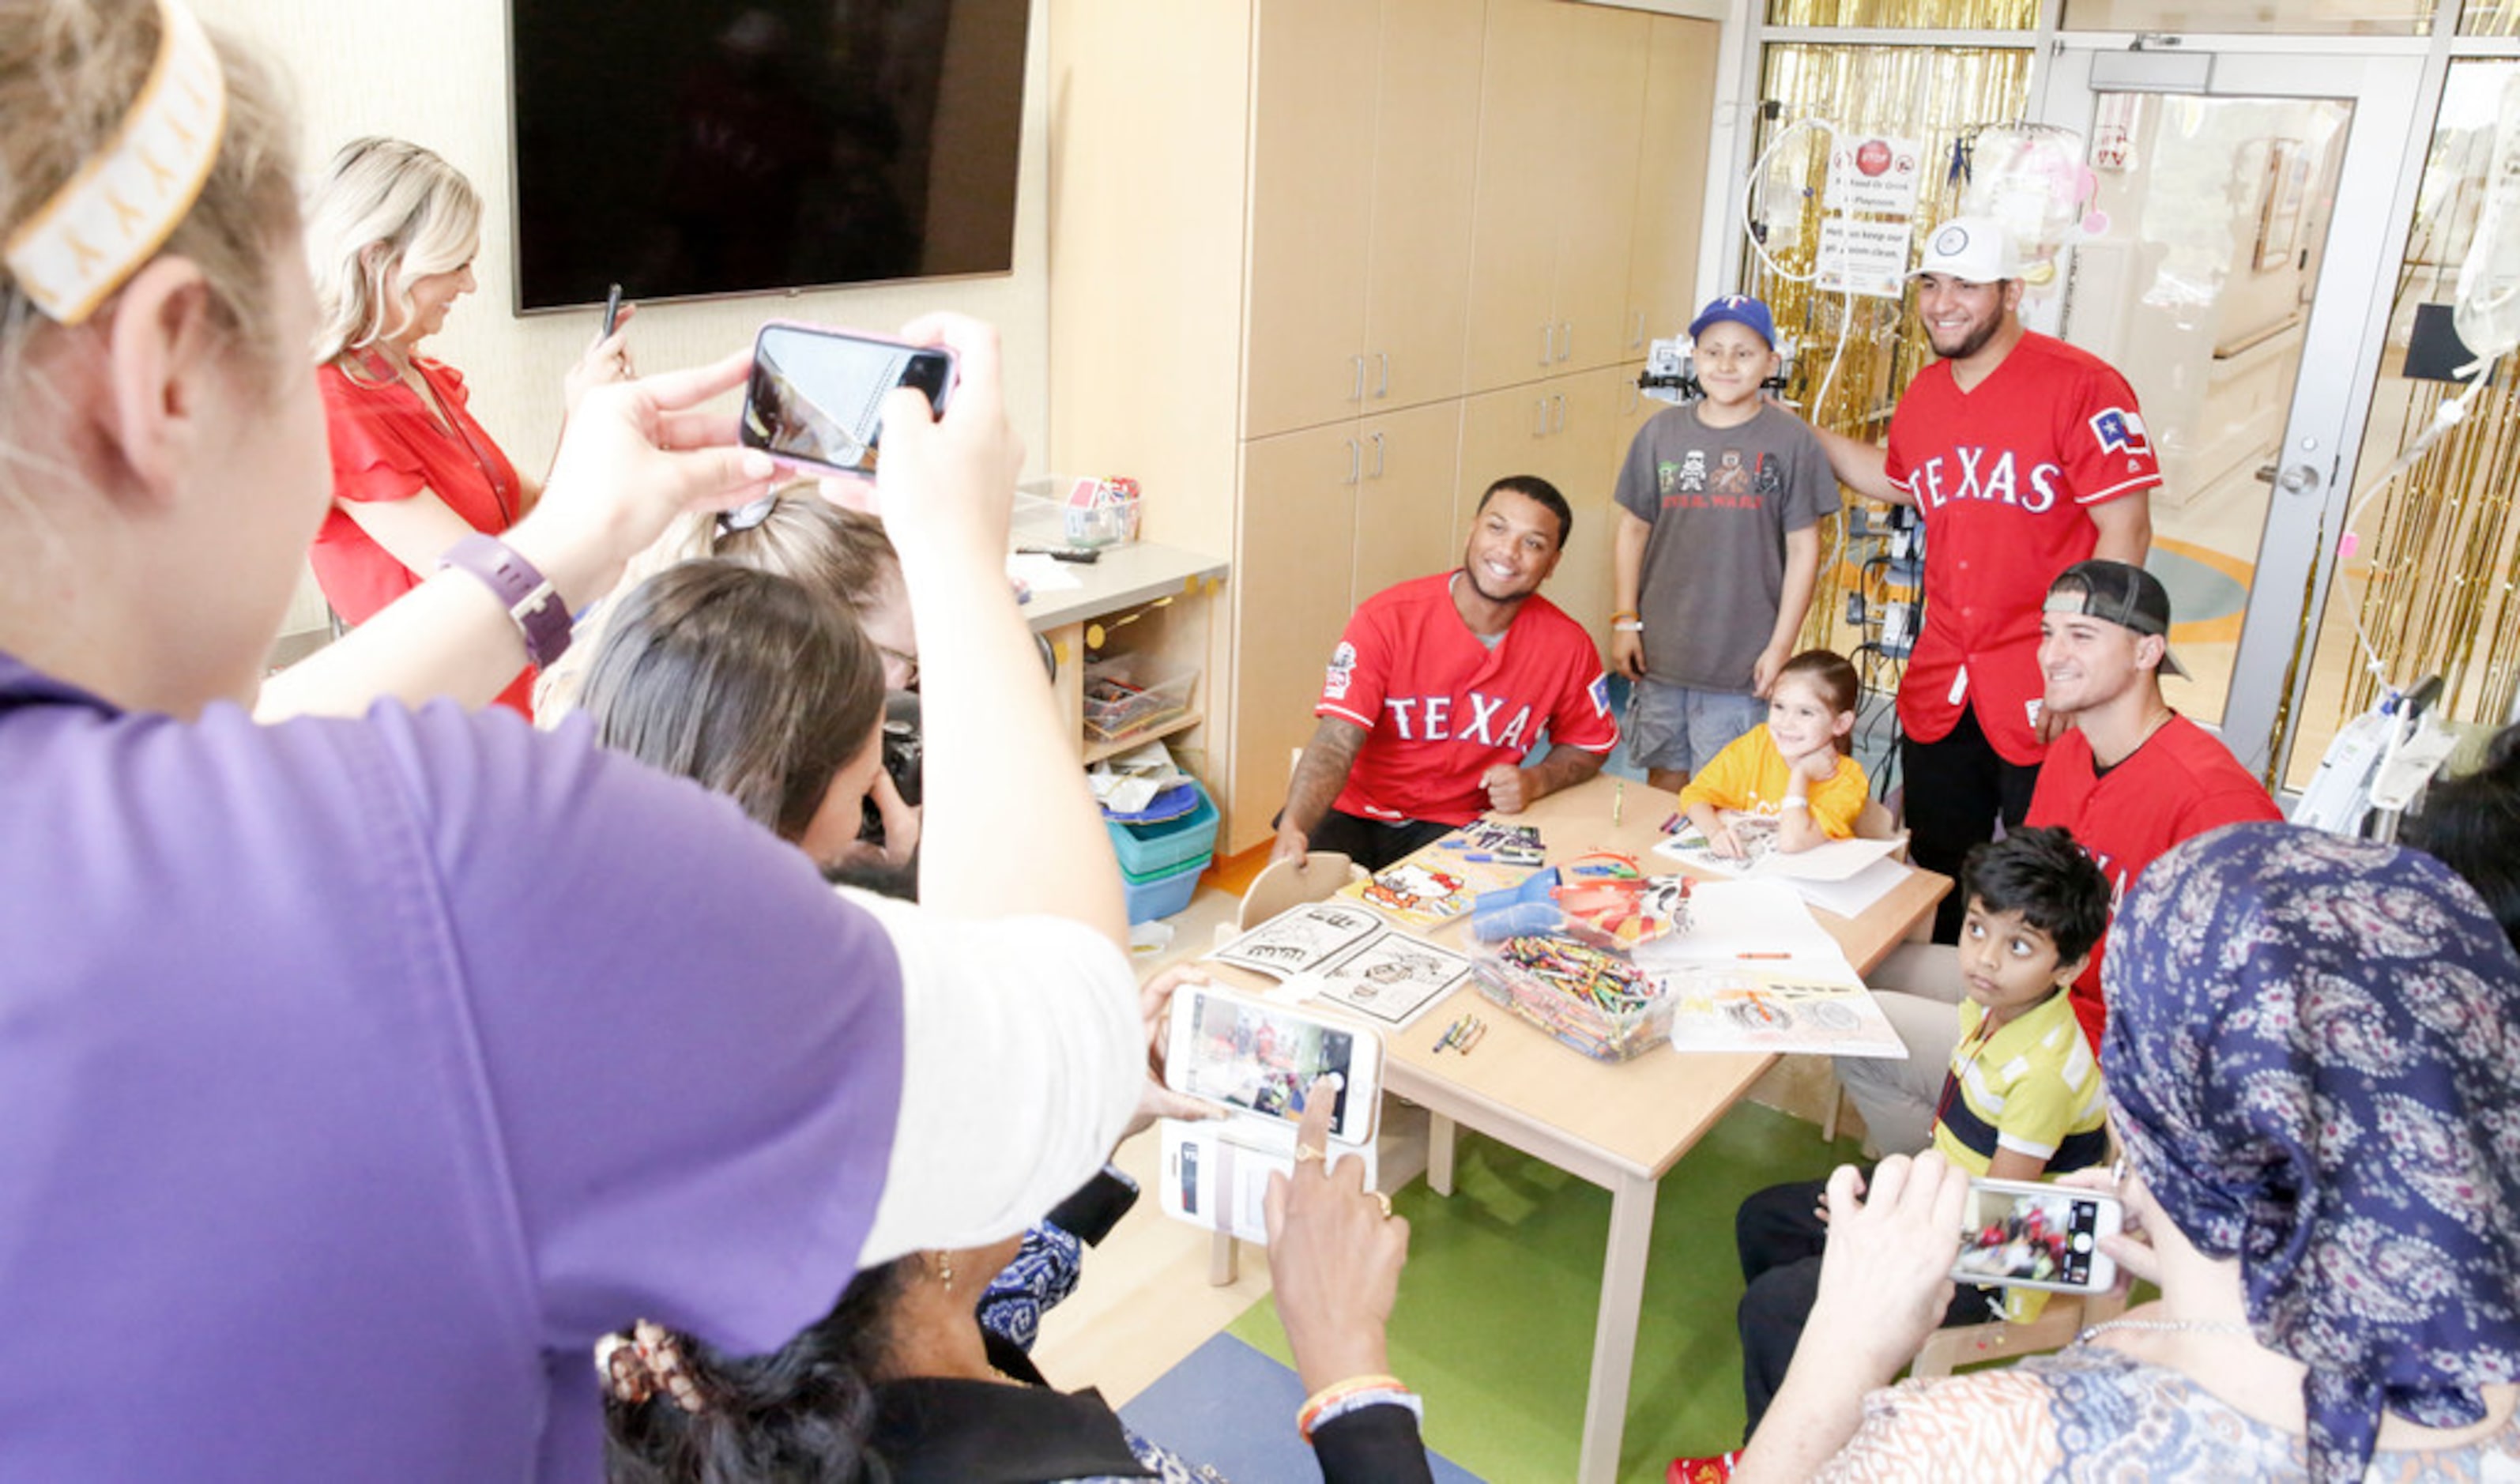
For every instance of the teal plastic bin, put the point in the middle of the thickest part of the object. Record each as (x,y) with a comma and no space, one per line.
(1152,850)
(1165,892)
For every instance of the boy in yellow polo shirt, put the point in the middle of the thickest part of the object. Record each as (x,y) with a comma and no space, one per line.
(2023,1099)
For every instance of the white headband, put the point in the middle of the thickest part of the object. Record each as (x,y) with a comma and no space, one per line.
(112,216)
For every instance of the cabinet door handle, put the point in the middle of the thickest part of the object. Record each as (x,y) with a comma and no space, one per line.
(1548,344)
(1377,458)
(1383,388)
(1540,417)
(1355,462)
(1566,339)
(1560,425)
(1356,386)
(1640,338)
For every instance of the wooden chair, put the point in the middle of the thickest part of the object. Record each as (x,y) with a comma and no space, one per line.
(2064,1317)
(1291,883)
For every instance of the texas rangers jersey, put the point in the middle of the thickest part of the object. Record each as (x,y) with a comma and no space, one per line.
(2004,476)
(1440,708)
(2180,782)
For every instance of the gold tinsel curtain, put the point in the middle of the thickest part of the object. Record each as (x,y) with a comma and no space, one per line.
(1930,94)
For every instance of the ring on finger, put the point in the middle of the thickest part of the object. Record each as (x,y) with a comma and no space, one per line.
(1305,1152)
(1384,1202)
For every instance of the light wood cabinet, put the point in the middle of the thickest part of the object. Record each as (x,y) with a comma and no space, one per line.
(1361,175)
(1571,430)
(1323,269)
(1561,119)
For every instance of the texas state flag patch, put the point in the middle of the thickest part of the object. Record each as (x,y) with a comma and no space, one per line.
(1600,693)
(2120,431)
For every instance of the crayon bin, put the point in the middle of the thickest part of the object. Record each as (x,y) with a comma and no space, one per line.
(1548,981)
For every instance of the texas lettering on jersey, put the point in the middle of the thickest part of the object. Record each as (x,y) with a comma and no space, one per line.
(1476,719)
(1968,473)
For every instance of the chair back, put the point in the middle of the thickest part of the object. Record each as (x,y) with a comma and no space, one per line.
(1291,883)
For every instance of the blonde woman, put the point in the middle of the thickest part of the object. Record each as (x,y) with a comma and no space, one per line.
(391,232)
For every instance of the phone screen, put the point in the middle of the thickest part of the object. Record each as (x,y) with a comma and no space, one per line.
(1258,1057)
(817,395)
(2050,1236)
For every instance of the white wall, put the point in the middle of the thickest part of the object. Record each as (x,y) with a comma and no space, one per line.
(435,72)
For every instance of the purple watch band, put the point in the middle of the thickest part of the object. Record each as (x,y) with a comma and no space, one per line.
(531,600)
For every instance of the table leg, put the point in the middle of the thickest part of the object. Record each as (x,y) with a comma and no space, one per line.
(1224,1259)
(1439,1153)
(1614,1332)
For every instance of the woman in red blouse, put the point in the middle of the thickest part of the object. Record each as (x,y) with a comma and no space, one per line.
(392,233)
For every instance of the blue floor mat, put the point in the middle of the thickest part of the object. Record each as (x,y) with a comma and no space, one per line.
(1232,1409)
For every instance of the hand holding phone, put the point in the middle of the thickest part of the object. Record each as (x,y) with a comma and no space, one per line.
(2029,1235)
(815,396)
(1264,1058)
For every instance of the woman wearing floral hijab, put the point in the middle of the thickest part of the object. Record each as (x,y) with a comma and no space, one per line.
(2312,1055)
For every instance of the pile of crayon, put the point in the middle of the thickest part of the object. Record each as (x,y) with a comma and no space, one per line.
(1595,1001)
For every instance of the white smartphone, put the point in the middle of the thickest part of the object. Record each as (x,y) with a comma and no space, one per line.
(1262,1059)
(1210,1179)
(816,398)
(2030,1234)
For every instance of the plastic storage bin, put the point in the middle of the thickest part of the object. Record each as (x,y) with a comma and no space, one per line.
(1593,1000)
(1150,850)
(1128,695)
(1169,891)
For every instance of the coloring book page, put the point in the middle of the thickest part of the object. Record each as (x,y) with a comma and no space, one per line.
(1340,954)
(1302,940)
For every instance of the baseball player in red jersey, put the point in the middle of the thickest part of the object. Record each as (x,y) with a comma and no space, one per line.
(2132,779)
(2023,454)
(1442,684)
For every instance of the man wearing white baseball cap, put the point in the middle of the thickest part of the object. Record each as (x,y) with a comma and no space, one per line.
(2023,454)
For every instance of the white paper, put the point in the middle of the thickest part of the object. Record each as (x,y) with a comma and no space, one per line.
(1854,895)
(1043,574)
(1340,954)
(1754,922)
(1830,861)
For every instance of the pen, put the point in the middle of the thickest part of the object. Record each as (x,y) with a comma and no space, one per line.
(1618,803)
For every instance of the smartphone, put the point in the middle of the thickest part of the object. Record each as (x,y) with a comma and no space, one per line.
(816,398)
(1211,1179)
(2029,1235)
(1262,1059)
(611,312)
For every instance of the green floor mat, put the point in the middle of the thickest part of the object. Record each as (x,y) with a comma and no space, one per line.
(1495,1322)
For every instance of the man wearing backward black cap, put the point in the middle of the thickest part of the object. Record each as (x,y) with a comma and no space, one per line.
(2131,779)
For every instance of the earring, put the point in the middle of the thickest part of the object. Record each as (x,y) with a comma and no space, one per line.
(945,1270)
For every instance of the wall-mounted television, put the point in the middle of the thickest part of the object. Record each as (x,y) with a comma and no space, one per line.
(688,148)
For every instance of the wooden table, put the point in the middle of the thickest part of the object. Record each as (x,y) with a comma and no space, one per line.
(1620,1126)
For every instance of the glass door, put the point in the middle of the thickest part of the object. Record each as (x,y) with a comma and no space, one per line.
(2253,206)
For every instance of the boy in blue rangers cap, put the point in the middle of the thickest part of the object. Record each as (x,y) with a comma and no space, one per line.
(1718,550)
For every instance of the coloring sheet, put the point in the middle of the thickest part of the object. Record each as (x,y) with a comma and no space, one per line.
(1392,979)
(1340,955)
(1440,882)
(1745,1009)
(1302,939)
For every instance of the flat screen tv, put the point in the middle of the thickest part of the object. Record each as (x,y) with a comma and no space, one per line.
(688,148)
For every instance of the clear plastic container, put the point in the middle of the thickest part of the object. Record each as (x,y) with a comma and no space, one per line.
(1593,1000)
(1127,695)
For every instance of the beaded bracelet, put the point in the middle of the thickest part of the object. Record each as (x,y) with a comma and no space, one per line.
(1357,1392)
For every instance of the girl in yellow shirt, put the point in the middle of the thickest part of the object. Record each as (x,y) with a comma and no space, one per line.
(1799,769)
